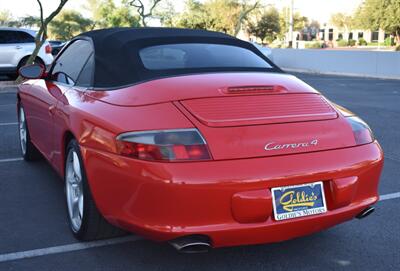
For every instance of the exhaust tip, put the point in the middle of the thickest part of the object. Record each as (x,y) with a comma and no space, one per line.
(192,244)
(366,212)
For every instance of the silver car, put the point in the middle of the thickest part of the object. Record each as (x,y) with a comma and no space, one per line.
(16,45)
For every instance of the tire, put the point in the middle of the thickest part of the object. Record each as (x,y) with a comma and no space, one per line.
(85,220)
(28,150)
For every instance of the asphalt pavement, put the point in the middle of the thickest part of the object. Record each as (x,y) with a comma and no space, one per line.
(34,233)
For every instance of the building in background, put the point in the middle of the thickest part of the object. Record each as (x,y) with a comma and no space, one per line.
(331,33)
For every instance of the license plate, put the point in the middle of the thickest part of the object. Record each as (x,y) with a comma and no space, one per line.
(298,200)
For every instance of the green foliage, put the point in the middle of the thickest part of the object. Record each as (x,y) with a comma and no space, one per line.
(313,45)
(30,21)
(362,42)
(299,22)
(194,16)
(105,14)
(218,15)
(351,42)
(223,14)
(342,43)
(167,14)
(342,21)
(380,14)
(389,41)
(68,24)
(267,27)
(5,17)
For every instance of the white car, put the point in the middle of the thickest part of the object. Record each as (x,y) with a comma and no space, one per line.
(16,45)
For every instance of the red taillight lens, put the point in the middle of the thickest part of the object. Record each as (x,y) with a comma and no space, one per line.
(361,131)
(47,49)
(167,145)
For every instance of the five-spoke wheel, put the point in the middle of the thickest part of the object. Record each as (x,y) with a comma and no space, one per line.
(85,220)
(74,190)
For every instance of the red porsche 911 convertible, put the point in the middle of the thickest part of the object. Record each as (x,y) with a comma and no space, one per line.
(195,138)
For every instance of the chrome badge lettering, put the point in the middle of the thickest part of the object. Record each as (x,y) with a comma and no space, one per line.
(271,146)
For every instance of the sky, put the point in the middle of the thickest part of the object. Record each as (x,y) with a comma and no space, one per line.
(319,10)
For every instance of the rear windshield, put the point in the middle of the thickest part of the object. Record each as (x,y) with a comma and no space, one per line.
(199,55)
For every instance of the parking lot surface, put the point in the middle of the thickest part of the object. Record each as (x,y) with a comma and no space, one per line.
(34,233)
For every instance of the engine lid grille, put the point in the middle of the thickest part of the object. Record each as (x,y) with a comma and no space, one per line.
(260,109)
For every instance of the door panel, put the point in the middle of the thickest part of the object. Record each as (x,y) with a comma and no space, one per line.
(7,55)
(45,101)
(40,107)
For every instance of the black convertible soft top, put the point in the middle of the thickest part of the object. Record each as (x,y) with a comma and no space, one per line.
(117,61)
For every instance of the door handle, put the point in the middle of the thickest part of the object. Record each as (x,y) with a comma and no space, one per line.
(18,47)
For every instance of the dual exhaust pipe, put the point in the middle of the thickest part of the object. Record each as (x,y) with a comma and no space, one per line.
(366,212)
(192,244)
(202,243)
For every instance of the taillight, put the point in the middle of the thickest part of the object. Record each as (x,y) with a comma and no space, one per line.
(361,131)
(47,49)
(165,145)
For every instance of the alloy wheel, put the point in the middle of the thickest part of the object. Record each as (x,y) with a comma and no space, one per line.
(74,190)
(22,130)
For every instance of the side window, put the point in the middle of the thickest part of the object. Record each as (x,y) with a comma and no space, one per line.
(7,37)
(69,65)
(86,75)
(24,37)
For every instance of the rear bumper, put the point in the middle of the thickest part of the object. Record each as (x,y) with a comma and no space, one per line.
(163,201)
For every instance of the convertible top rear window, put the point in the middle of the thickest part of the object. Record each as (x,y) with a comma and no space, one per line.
(127,56)
(199,55)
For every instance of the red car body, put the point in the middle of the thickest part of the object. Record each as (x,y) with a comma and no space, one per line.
(227,198)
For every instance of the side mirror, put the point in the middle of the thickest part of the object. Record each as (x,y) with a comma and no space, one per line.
(34,71)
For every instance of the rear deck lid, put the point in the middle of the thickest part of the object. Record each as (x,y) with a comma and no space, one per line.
(240,110)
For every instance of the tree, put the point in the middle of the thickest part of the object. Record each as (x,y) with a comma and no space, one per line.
(267,27)
(222,15)
(29,21)
(167,14)
(218,15)
(68,24)
(380,14)
(245,10)
(41,35)
(105,13)
(299,22)
(194,16)
(5,17)
(140,7)
(342,21)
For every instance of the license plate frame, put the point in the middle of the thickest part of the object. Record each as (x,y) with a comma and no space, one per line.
(296,205)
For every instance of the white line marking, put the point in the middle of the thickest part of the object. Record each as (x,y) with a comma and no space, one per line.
(8,123)
(65,248)
(10,160)
(102,243)
(390,196)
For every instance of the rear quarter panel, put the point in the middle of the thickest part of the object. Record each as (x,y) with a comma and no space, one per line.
(95,124)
